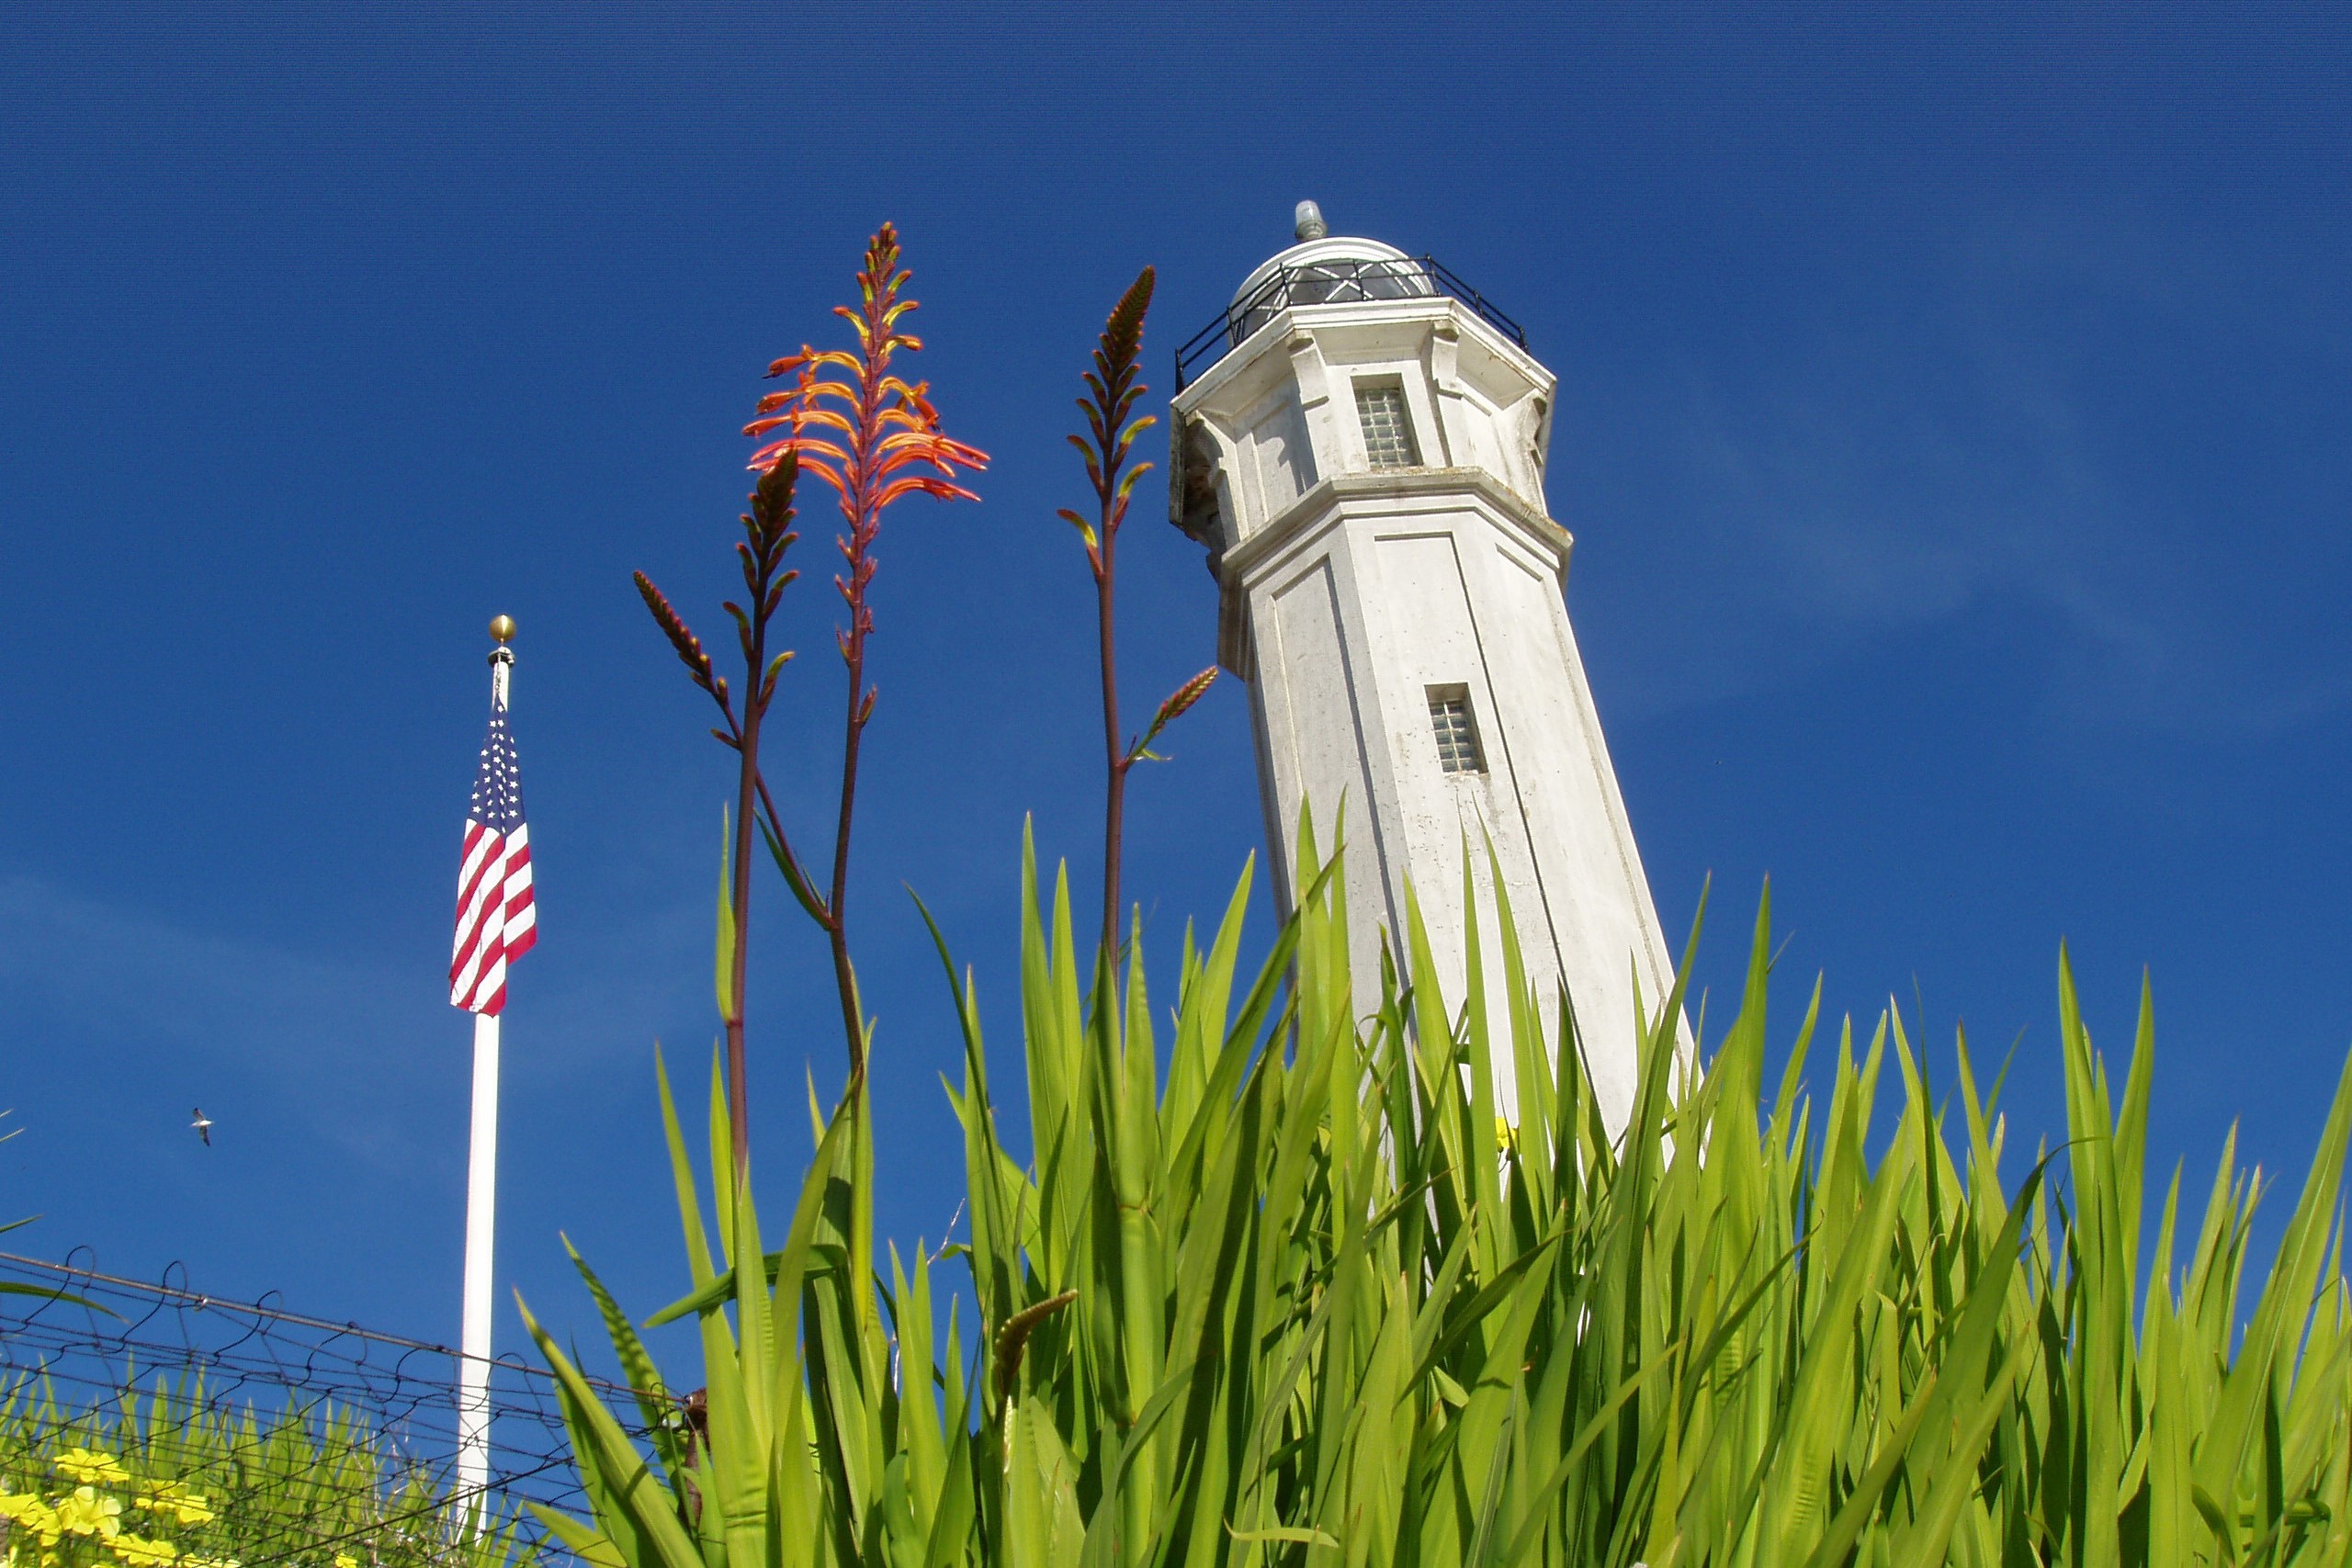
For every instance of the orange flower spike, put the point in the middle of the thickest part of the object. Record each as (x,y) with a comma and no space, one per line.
(861,427)
(928,485)
(806,416)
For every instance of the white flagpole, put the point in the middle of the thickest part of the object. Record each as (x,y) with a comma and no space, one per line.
(481,1208)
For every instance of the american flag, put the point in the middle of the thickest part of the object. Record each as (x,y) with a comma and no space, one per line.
(496,923)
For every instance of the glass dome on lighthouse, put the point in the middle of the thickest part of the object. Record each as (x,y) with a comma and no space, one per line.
(1323,269)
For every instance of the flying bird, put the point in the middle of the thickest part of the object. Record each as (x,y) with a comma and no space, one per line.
(203,1125)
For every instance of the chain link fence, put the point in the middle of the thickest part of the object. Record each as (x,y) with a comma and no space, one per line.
(149,1424)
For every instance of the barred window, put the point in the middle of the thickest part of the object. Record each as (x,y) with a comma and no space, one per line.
(1457,737)
(1387,430)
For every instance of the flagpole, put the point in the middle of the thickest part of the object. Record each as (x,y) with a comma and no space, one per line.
(481,1208)
(481,1203)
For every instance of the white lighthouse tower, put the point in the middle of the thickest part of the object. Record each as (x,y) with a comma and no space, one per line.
(1360,442)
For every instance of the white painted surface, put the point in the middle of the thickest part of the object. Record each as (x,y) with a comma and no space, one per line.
(482,1225)
(1350,591)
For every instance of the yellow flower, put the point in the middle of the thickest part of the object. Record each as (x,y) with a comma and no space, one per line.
(90,1512)
(175,1498)
(141,1554)
(32,1513)
(345,1559)
(91,1467)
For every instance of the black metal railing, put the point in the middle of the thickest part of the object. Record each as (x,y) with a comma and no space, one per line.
(1343,280)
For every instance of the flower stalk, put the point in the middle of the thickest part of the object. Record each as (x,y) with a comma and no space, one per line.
(1113,390)
(874,438)
(767,535)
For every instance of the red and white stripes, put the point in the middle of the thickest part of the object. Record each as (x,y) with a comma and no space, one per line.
(496,922)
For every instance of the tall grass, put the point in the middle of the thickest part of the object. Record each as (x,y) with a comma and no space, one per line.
(1278,1286)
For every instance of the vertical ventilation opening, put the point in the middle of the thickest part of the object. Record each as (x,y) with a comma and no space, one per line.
(1387,429)
(1457,736)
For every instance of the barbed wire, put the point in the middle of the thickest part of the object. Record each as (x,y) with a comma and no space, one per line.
(297,1435)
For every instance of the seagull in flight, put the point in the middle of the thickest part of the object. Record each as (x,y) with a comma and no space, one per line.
(203,1125)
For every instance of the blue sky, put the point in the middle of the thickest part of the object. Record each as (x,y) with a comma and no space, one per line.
(1955,420)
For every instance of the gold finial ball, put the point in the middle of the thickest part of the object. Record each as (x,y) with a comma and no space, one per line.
(502,627)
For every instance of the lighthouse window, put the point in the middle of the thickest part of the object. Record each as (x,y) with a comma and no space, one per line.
(1387,432)
(1457,737)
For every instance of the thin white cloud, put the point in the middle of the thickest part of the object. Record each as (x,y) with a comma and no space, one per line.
(353,1051)
(1897,472)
